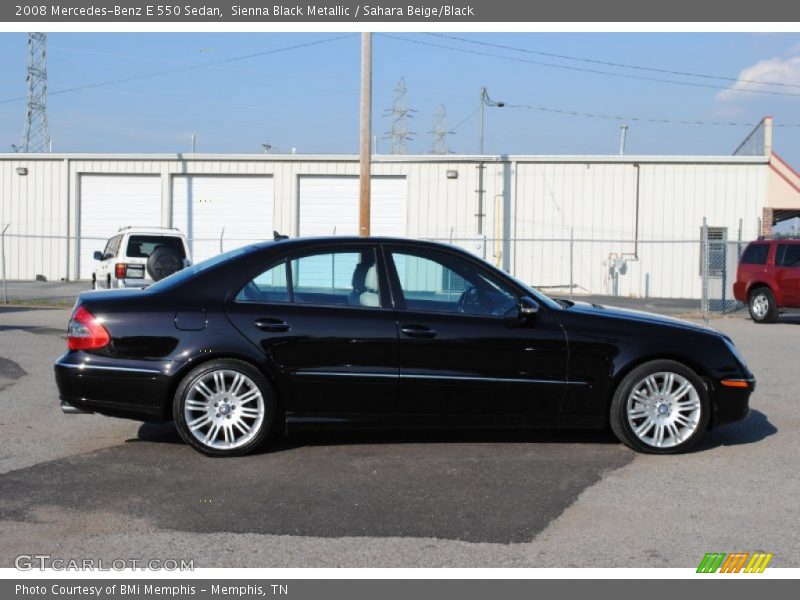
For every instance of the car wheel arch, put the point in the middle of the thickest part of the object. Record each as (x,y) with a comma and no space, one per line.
(201,359)
(620,374)
(764,284)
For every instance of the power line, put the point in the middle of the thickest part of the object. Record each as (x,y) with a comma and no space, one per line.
(573,113)
(612,64)
(585,70)
(185,69)
(467,118)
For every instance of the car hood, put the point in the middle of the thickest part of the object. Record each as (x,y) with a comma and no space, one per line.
(613,312)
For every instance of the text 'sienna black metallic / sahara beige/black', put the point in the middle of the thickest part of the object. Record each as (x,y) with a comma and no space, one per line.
(380,332)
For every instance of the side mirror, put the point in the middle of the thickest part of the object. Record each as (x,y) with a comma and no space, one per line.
(528,307)
(98,255)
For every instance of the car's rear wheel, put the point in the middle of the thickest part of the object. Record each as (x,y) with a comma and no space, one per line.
(762,306)
(224,408)
(661,407)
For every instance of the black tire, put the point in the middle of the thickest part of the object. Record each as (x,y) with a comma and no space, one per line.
(163,262)
(762,306)
(264,429)
(619,420)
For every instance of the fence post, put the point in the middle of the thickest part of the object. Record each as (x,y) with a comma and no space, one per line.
(571,261)
(704,269)
(3,261)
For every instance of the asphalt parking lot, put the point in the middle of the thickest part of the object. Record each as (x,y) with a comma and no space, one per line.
(94,487)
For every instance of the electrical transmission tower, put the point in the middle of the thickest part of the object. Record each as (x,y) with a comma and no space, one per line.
(440,131)
(35,135)
(400,113)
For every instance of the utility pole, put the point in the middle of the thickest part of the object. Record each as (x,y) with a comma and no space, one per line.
(623,135)
(486,101)
(35,135)
(365,159)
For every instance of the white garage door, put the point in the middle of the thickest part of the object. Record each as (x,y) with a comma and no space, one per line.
(236,208)
(108,202)
(329,205)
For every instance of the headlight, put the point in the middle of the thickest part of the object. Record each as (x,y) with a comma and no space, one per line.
(735,351)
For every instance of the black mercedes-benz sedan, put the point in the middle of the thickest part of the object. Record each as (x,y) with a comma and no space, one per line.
(381,332)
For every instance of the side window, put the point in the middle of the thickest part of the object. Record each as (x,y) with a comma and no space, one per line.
(107,252)
(755,254)
(113,246)
(788,255)
(439,283)
(270,286)
(346,278)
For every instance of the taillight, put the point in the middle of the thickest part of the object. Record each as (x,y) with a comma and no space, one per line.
(86,332)
(126,271)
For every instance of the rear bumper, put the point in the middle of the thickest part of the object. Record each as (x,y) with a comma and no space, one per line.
(731,403)
(128,389)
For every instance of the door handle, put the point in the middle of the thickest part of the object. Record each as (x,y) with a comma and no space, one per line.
(418,331)
(269,324)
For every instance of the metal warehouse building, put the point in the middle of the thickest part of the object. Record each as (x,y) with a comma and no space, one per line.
(602,224)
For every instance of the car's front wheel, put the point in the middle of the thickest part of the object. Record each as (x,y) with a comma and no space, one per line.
(661,407)
(762,306)
(224,408)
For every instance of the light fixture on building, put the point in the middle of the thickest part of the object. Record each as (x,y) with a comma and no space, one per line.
(452,174)
(22,171)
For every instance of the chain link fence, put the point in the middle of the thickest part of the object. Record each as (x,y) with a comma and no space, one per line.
(672,276)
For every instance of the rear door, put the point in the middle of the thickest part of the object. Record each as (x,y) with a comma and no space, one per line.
(323,319)
(787,273)
(463,349)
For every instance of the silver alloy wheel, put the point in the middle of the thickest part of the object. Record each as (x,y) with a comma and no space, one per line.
(760,305)
(663,409)
(224,409)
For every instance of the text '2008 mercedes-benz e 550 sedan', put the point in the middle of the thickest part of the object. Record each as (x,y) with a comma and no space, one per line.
(368,332)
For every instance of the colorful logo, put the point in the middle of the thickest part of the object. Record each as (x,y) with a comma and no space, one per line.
(735,562)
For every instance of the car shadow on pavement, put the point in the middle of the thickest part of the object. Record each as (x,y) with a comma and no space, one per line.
(165,433)
(753,429)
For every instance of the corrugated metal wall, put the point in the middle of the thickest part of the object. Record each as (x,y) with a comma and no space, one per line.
(526,202)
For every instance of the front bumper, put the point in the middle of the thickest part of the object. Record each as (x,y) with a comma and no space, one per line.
(731,403)
(128,389)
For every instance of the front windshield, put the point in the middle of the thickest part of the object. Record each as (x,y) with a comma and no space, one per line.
(189,272)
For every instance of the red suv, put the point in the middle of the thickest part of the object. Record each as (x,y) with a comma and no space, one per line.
(768,278)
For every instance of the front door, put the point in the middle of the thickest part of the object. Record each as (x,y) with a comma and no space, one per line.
(322,320)
(463,348)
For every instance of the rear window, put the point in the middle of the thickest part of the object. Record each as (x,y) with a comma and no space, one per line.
(788,255)
(142,246)
(755,254)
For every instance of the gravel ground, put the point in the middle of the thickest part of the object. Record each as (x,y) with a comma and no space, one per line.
(90,486)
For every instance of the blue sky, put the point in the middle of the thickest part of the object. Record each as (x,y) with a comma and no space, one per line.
(307,98)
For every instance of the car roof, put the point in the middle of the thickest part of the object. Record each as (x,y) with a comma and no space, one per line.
(343,240)
(150,230)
